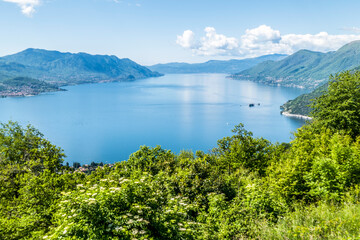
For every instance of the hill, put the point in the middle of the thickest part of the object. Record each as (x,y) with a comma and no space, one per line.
(69,68)
(306,69)
(214,66)
(23,86)
(300,105)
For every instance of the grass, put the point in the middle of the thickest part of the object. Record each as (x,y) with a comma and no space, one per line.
(323,221)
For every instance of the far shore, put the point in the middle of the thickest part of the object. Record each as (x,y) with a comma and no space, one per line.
(296,116)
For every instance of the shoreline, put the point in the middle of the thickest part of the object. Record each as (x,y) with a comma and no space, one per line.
(286,114)
(26,93)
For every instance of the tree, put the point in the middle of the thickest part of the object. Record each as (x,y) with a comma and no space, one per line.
(339,107)
(29,170)
(243,150)
(76,165)
(24,151)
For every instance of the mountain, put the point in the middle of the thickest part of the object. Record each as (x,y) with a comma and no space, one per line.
(306,69)
(69,68)
(214,66)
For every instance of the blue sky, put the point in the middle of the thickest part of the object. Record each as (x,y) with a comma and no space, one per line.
(154,31)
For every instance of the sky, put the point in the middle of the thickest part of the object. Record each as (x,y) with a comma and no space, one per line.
(161,31)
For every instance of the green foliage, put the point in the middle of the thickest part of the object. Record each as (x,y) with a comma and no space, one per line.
(325,221)
(120,208)
(24,151)
(242,150)
(151,160)
(339,108)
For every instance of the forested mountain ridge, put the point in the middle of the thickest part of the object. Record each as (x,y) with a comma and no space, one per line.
(214,66)
(60,69)
(305,69)
(302,104)
(74,68)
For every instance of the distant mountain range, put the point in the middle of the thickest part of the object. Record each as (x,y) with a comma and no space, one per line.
(71,68)
(61,69)
(304,68)
(214,66)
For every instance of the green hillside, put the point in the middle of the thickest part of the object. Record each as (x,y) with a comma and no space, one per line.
(304,68)
(300,105)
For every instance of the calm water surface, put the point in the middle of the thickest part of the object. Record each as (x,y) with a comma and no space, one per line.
(107,122)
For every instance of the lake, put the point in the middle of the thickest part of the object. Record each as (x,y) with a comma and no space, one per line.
(108,121)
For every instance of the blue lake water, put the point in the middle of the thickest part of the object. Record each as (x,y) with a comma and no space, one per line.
(107,122)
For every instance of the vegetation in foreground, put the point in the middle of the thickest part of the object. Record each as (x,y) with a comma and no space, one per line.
(246,188)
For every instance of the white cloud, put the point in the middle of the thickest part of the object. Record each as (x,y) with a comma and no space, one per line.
(27,6)
(186,40)
(261,41)
(216,44)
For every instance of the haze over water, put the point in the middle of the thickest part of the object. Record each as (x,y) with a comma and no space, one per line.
(107,122)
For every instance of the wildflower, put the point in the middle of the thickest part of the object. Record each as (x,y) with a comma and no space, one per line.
(119,229)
